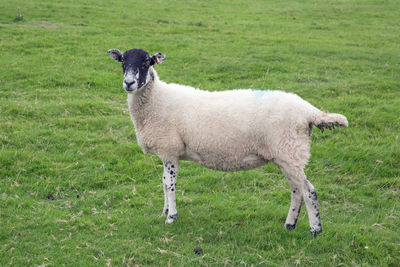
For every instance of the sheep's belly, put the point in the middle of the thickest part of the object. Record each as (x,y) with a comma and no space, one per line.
(225,163)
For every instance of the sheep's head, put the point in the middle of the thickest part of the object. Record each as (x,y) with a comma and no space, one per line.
(136,64)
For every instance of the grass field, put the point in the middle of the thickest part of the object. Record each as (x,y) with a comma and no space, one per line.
(76,189)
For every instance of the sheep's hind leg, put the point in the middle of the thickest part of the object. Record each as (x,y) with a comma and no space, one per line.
(302,189)
(296,196)
(169,182)
(295,207)
(311,201)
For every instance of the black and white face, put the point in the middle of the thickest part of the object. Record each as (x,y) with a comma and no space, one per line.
(135,64)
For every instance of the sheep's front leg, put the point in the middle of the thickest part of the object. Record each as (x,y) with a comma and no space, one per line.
(169,183)
(165,210)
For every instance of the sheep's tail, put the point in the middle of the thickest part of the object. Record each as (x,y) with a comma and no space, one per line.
(328,120)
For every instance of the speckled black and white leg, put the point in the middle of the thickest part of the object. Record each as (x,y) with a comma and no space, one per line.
(311,201)
(165,210)
(302,190)
(295,207)
(169,182)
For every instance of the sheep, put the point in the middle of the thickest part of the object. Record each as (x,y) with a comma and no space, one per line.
(228,131)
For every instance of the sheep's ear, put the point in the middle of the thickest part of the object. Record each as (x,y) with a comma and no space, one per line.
(115,54)
(157,59)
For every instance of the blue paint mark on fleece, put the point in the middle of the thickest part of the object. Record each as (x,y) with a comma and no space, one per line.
(261,93)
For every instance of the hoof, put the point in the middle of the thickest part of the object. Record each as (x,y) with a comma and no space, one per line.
(315,232)
(164,213)
(169,221)
(290,227)
(171,218)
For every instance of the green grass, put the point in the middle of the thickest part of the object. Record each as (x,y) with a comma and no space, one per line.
(76,190)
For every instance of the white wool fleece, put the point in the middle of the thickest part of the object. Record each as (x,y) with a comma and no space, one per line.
(229,131)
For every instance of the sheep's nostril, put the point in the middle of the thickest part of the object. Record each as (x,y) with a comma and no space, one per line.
(129,83)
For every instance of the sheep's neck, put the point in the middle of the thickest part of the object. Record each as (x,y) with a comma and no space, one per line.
(139,104)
